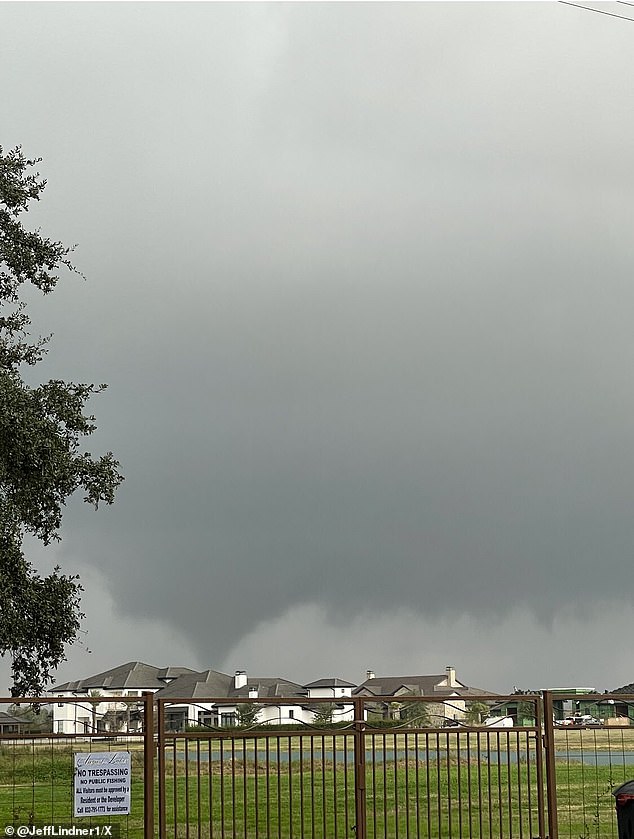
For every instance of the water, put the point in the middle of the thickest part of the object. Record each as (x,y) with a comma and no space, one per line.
(502,758)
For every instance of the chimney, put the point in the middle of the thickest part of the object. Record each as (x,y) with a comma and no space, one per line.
(369,674)
(253,692)
(240,679)
(451,677)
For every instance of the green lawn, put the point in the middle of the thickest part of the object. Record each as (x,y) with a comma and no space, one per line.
(36,786)
(247,797)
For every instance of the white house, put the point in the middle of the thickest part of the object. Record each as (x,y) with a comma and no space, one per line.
(335,691)
(132,679)
(189,698)
(208,698)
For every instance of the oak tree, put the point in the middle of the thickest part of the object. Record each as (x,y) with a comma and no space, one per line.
(42,432)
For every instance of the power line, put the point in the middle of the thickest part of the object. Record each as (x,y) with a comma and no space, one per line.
(598,11)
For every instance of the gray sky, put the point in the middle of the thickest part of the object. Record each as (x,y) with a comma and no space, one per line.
(360,281)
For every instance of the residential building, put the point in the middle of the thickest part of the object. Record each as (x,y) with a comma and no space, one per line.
(12,725)
(335,690)
(131,679)
(446,686)
(191,694)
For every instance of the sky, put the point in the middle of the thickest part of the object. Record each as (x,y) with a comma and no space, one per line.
(359,278)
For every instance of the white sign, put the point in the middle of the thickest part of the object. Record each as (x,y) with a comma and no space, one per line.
(102,783)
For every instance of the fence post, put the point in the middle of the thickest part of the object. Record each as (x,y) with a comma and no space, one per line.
(359,768)
(162,811)
(539,763)
(148,765)
(551,777)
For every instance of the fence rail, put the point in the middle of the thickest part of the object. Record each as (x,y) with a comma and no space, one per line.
(37,770)
(406,768)
(391,770)
(587,754)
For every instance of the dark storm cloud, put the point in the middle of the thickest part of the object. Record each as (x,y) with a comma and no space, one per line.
(360,282)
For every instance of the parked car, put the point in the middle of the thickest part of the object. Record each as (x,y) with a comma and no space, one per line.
(585,720)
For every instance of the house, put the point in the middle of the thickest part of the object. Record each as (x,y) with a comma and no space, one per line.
(131,679)
(193,688)
(335,690)
(616,712)
(209,698)
(191,694)
(566,708)
(11,725)
(454,694)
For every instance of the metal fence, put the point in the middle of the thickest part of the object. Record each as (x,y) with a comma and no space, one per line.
(383,774)
(393,769)
(587,756)
(37,770)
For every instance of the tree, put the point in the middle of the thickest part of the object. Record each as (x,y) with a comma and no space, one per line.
(416,714)
(41,458)
(38,719)
(475,712)
(322,713)
(247,714)
(526,710)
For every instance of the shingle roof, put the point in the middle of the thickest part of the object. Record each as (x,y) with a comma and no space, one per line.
(331,682)
(184,684)
(269,686)
(198,685)
(210,684)
(133,674)
(7,719)
(389,685)
(173,672)
(419,685)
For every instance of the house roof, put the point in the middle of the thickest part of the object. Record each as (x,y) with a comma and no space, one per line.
(198,685)
(210,684)
(418,685)
(7,719)
(390,685)
(625,689)
(181,682)
(133,674)
(173,672)
(269,686)
(330,683)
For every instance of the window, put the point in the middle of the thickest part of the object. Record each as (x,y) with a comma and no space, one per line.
(228,719)
(206,718)
(176,720)
(291,714)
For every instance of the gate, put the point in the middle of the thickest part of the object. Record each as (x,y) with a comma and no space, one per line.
(389,770)
(37,770)
(589,748)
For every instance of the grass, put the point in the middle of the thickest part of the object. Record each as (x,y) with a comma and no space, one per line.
(36,787)
(452,794)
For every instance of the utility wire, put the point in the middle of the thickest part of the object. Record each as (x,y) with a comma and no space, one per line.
(598,11)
